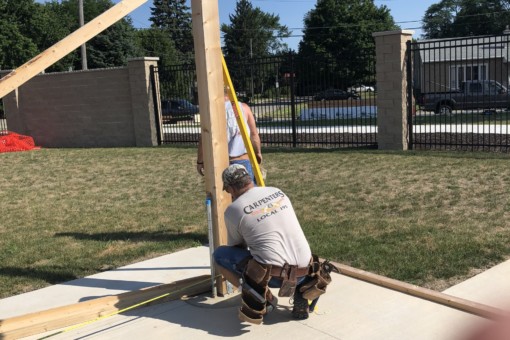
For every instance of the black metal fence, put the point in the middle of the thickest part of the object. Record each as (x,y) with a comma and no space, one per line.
(461,92)
(296,102)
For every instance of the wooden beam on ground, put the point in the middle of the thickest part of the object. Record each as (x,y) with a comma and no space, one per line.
(86,311)
(464,305)
(74,40)
(208,56)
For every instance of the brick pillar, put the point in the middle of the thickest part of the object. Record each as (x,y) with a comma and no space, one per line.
(392,128)
(142,101)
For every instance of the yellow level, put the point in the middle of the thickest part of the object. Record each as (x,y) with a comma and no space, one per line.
(242,125)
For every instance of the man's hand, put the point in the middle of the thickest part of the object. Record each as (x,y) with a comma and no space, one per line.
(200,169)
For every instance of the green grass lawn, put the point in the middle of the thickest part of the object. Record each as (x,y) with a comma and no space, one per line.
(427,218)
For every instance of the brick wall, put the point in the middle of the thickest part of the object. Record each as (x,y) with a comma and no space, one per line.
(94,108)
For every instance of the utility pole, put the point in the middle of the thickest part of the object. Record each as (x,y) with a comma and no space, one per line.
(83,47)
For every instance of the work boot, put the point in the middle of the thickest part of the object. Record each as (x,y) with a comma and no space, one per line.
(300,310)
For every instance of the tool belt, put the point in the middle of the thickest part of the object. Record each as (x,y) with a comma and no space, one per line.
(281,271)
(288,274)
(321,278)
(255,292)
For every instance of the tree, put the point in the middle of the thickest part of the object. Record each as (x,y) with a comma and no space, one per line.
(338,38)
(155,42)
(53,24)
(174,17)
(110,48)
(253,33)
(16,46)
(438,19)
(458,18)
(28,28)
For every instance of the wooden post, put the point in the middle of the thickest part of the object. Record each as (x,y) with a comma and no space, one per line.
(56,52)
(87,312)
(464,305)
(208,56)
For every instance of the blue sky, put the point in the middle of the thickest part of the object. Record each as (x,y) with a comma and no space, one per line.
(406,13)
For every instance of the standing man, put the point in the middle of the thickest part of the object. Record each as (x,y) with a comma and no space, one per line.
(236,150)
(266,246)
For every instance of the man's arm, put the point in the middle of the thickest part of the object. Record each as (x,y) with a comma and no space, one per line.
(254,133)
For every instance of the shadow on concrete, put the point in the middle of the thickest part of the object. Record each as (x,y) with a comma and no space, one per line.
(215,316)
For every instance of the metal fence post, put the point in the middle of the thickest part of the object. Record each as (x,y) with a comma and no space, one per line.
(293,102)
(410,95)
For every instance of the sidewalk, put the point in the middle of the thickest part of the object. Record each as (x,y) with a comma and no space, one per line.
(350,310)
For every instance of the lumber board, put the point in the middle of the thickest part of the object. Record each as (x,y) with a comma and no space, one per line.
(461,304)
(62,48)
(65,316)
(208,56)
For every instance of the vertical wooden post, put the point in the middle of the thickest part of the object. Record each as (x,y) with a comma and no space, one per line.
(208,57)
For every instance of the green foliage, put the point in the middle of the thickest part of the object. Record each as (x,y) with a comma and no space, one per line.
(340,31)
(154,42)
(174,17)
(28,28)
(16,47)
(253,33)
(458,18)
(111,47)
(438,19)
(53,24)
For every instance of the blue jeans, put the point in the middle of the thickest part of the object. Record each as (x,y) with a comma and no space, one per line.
(229,258)
(247,165)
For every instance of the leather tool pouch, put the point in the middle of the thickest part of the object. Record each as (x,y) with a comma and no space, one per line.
(321,278)
(256,272)
(254,292)
(289,282)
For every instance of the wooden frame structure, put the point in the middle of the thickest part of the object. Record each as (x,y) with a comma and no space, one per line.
(211,95)
(208,55)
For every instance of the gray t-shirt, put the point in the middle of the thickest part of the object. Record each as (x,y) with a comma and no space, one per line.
(263,219)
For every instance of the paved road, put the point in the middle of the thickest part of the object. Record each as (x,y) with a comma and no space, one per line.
(459,128)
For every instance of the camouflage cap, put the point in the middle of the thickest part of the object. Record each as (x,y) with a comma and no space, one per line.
(234,174)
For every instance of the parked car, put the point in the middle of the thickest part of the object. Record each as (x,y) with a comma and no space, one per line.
(473,94)
(333,94)
(176,110)
(361,88)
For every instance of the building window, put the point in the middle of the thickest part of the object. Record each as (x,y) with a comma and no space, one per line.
(461,73)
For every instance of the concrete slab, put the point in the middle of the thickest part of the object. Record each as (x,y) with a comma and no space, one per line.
(351,309)
(165,269)
(491,287)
